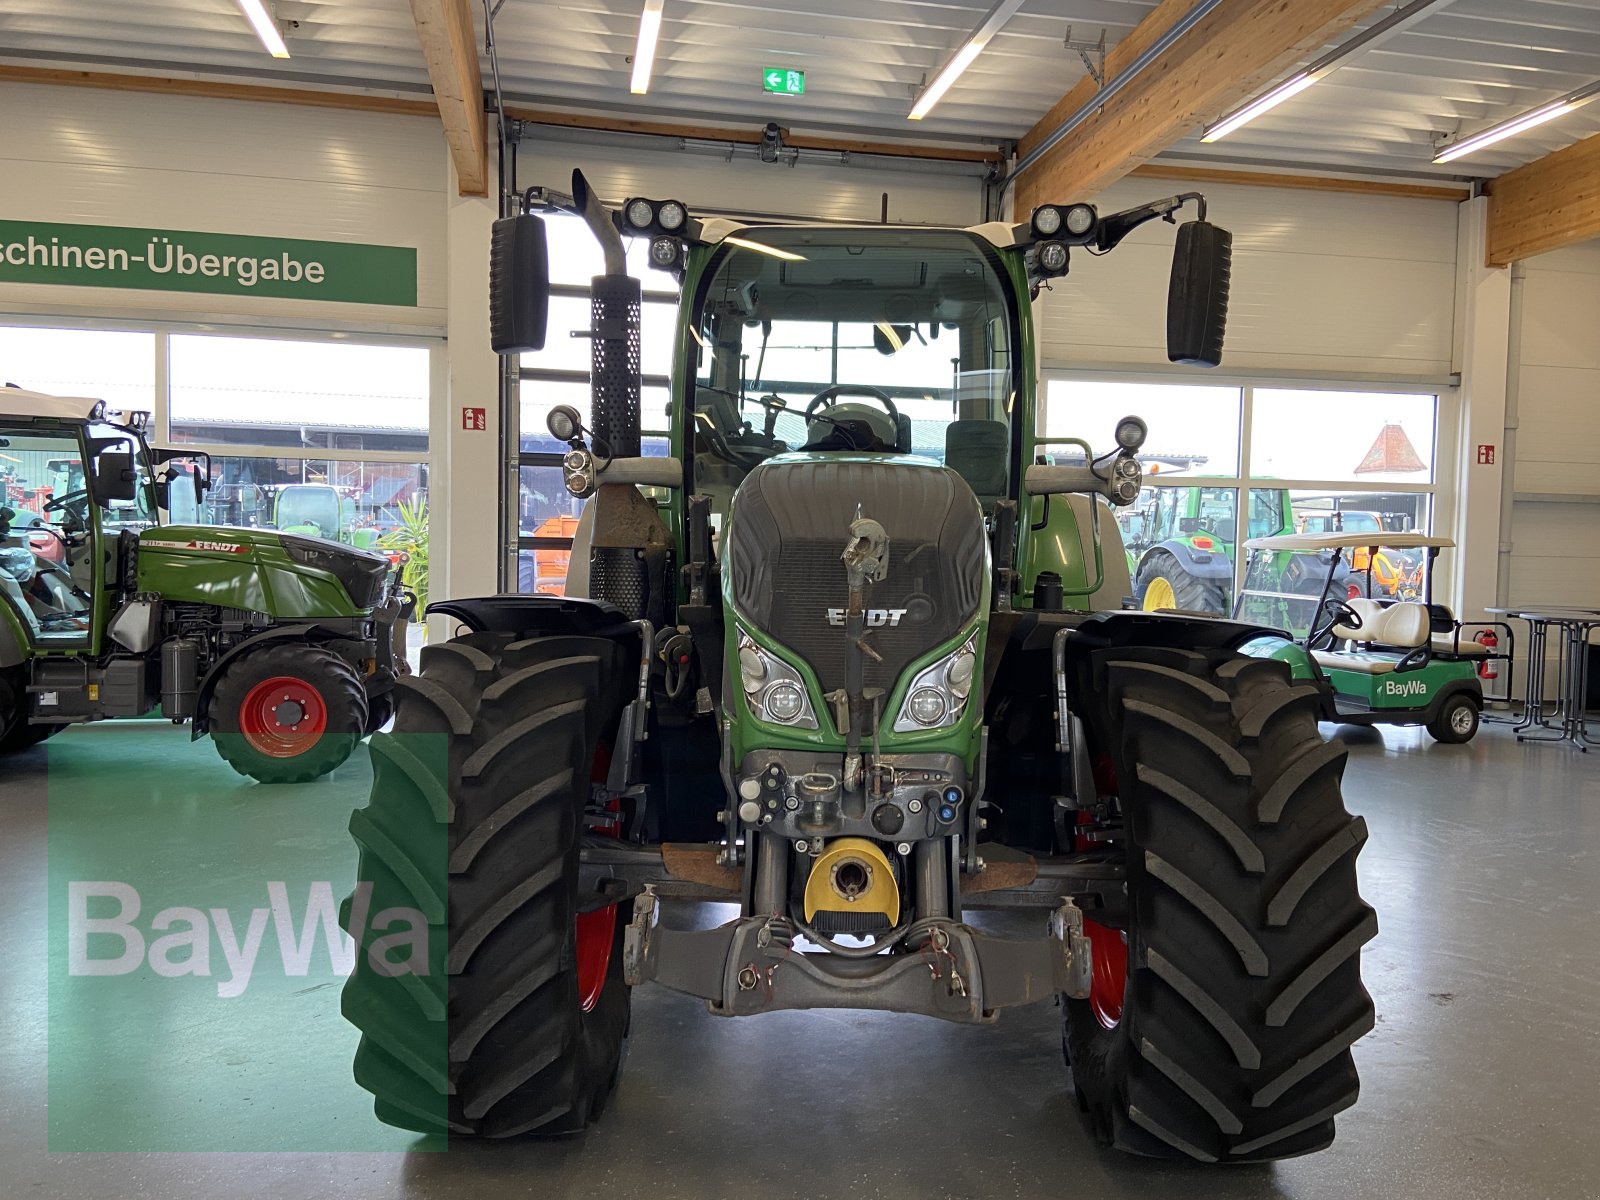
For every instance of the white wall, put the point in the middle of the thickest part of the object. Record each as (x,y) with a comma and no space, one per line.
(84,156)
(1555,545)
(1342,284)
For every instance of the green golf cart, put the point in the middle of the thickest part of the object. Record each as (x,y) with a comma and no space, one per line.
(1375,661)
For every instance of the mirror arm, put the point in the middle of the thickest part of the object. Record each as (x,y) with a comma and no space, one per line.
(1119,225)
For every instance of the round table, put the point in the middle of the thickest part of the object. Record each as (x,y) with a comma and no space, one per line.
(1565,721)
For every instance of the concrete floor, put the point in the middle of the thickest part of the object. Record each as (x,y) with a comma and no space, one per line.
(1481,1080)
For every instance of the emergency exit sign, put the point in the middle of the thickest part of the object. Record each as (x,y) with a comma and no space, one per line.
(784,82)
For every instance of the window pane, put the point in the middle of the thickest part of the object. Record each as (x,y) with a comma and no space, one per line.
(1365,437)
(576,258)
(363,503)
(324,395)
(1181,542)
(119,368)
(574,314)
(1194,430)
(538,396)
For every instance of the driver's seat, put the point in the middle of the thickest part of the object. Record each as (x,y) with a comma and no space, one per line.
(980,452)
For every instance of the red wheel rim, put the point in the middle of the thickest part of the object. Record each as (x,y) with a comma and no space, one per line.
(1108,983)
(597,929)
(283,717)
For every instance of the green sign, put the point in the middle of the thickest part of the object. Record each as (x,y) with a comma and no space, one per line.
(784,82)
(228,264)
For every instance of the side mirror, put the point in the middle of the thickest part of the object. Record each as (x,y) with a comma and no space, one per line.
(1188,524)
(1197,299)
(519,284)
(114,477)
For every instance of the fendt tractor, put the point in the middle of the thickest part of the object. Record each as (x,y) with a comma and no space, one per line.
(284,648)
(860,693)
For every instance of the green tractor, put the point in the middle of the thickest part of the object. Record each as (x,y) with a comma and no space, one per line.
(319,510)
(861,694)
(1182,548)
(283,648)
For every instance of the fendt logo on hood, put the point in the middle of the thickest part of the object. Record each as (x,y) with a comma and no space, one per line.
(1411,687)
(877,618)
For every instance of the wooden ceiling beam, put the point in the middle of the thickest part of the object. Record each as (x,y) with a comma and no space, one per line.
(213,89)
(1544,205)
(450,47)
(1227,57)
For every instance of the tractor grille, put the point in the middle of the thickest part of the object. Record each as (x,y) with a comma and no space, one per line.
(788,531)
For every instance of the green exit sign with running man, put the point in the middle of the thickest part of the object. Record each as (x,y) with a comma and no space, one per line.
(784,82)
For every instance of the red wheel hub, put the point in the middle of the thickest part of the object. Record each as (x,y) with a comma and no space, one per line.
(597,929)
(283,717)
(1109,982)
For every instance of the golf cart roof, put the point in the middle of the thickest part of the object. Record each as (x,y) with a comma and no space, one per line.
(19,402)
(1350,541)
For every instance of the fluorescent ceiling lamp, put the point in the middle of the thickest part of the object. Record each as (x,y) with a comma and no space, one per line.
(644,52)
(1510,128)
(1395,22)
(266,28)
(962,58)
(747,244)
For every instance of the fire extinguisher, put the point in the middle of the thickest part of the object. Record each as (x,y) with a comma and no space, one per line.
(1489,668)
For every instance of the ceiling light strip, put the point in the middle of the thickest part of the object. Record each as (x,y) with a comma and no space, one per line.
(644,51)
(1515,125)
(962,58)
(1396,22)
(266,28)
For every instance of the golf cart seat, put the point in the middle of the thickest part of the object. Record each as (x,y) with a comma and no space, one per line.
(1398,628)
(1448,638)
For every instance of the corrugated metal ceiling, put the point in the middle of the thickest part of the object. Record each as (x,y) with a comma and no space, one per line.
(1466,65)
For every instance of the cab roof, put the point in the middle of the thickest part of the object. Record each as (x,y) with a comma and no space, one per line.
(20,403)
(1350,541)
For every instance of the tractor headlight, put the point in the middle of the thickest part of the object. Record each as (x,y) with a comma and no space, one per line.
(1080,219)
(1131,432)
(671,216)
(772,688)
(1047,220)
(641,214)
(938,695)
(664,252)
(1053,258)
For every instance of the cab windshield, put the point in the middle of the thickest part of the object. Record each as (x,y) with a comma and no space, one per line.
(883,340)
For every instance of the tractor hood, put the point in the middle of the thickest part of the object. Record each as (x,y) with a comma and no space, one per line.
(286,576)
(785,576)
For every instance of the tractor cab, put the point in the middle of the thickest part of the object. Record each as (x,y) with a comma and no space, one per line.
(90,482)
(1379,655)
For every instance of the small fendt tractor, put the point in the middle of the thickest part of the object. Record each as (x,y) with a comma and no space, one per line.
(860,693)
(284,648)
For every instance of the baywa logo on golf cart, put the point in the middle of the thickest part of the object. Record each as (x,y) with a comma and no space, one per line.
(877,618)
(184,946)
(1409,687)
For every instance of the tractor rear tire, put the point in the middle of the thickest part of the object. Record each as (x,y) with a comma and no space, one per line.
(1188,592)
(380,711)
(288,713)
(476,818)
(1455,722)
(15,732)
(1243,992)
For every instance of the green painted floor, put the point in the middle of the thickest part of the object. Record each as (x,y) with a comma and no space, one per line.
(1481,1079)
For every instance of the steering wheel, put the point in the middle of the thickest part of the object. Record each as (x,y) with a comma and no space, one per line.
(74,507)
(831,397)
(1335,612)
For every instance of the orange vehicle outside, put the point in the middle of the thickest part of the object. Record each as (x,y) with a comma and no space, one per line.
(550,566)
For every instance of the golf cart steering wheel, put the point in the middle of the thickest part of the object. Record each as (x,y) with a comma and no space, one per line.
(831,397)
(1335,612)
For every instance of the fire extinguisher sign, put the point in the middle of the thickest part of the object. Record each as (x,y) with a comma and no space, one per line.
(1485,455)
(475,419)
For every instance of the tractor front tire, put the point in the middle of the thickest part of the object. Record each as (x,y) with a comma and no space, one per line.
(1163,583)
(476,818)
(1455,722)
(1231,1039)
(288,713)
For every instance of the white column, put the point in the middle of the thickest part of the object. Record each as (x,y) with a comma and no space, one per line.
(465,533)
(1483,328)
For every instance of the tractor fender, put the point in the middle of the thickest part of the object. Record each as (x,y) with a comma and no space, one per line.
(1202,564)
(281,633)
(1106,630)
(523,614)
(13,642)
